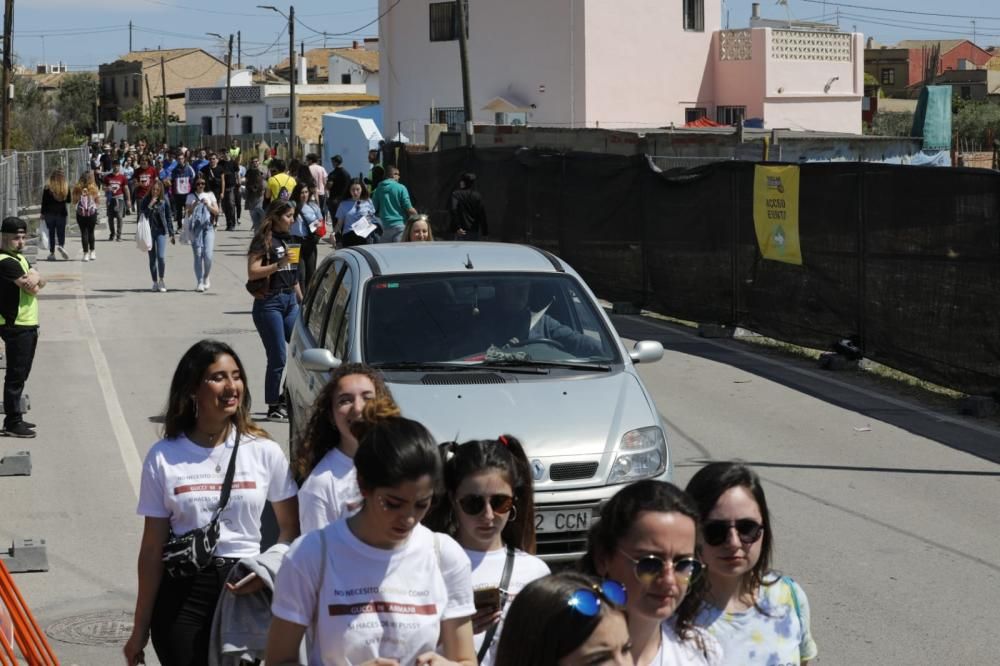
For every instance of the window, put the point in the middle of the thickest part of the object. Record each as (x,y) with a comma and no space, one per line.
(453,117)
(320,297)
(694,15)
(888,76)
(135,87)
(512,118)
(691,115)
(279,126)
(730,115)
(247,124)
(279,112)
(336,330)
(444,21)
(345,79)
(966,92)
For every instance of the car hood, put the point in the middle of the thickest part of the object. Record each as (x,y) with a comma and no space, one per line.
(552,416)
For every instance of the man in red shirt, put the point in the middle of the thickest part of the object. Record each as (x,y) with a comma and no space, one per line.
(144,177)
(116,185)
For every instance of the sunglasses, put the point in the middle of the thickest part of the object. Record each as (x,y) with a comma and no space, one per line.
(715,532)
(199,184)
(474,505)
(587,601)
(650,567)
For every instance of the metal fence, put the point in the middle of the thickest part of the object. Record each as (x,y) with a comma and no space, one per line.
(23,175)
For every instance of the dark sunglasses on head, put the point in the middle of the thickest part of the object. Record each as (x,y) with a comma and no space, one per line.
(200,183)
(715,532)
(474,505)
(587,601)
(650,567)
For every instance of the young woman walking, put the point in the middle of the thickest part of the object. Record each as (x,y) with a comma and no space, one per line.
(156,207)
(308,216)
(54,213)
(489,509)
(351,211)
(378,586)
(202,210)
(207,417)
(274,311)
(85,198)
(325,457)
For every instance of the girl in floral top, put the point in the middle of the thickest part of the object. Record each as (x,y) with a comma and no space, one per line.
(759,616)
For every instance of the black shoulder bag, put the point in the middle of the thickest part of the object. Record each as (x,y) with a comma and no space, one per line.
(508,567)
(189,553)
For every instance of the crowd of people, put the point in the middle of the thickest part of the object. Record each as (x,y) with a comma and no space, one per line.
(395,549)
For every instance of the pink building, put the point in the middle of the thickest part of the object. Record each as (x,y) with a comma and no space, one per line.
(625,64)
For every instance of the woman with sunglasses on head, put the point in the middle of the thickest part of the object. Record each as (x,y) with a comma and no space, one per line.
(490,511)
(202,209)
(759,616)
(379,587)
(647,539)
(567,619)
(325,457)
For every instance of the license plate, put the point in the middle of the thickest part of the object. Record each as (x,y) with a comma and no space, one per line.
(563,520)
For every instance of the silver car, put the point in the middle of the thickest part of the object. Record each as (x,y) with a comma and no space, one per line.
(480,339)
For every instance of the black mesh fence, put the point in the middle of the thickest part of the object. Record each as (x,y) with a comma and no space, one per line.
(904,260)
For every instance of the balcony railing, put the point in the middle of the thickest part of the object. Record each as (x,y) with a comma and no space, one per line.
(217,95)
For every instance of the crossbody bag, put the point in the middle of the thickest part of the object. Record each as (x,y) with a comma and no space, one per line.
(508,568)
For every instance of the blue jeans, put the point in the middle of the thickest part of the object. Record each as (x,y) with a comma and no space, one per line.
(392,233)
(256,208)
(57,229)
(203,247)
(274,318)
(158,257)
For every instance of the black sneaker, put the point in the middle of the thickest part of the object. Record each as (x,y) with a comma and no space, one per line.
(29,424)
(19,429)
(277,413)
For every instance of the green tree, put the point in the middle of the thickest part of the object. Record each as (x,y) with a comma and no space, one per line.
(77,101)
(891,123)
(149,118)
(977,123)
(34,124)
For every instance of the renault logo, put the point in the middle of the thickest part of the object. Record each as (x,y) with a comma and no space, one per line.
(537,469)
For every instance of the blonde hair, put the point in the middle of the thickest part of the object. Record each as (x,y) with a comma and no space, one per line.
(85,184)
(57,185)
(412,221)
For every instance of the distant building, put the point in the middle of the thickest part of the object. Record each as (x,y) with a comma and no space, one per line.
(136,79)
(330,65)
(49,78)
(902,70)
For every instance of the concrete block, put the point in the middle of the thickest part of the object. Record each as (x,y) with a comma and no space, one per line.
(979,406)
(625,308)
(715,331)
(16,464)
(833,361)
(26,555)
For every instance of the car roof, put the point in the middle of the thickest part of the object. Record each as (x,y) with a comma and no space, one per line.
(451,257)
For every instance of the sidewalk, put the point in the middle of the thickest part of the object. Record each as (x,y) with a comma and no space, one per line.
(107,350)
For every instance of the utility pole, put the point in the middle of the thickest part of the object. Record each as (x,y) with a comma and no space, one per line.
(8,67)
(463,54)
(163,89)
(239,50)
(229,81)
(130,36)
(291,88)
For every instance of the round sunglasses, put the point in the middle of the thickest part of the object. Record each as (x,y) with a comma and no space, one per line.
(587,601)
(650,567)
(715,532)
(474,505)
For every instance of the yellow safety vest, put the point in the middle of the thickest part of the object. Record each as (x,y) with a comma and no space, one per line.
(27,306)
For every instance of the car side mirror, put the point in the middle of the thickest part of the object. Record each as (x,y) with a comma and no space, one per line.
(646,351)
(321,360)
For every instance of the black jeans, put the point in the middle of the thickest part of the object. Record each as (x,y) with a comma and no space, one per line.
(20,343)
(183,612)
(177,203)
(116,211)
(229,209)
(87,225)
(307,259)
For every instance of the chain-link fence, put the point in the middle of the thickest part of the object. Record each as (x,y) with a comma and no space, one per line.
(23,175)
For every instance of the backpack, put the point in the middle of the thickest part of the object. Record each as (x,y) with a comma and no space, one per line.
(86,206)
(283,193)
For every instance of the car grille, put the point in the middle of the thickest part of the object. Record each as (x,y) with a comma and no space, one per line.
(451,379)
(572,471)
(561,543)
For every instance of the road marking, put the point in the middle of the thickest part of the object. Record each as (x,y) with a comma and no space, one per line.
(116,416)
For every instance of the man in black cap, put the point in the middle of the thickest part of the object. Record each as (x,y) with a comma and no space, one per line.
(19,286)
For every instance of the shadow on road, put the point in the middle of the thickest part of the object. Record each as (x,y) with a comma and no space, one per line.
(982,441)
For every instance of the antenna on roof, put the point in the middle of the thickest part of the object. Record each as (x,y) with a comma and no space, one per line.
(468,262)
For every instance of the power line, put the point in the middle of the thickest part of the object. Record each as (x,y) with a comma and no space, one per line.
(351,32)
(281,34)
(902,11)
(200,10)
(930,28)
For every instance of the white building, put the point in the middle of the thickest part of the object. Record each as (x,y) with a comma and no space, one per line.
(356,65)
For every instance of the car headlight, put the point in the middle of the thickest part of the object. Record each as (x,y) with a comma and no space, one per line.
(642,455)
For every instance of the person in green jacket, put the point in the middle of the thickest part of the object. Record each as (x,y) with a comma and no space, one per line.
(392,205)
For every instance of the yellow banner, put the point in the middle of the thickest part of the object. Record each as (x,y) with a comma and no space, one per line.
(776,212)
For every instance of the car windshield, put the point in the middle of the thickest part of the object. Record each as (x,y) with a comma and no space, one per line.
(508,319)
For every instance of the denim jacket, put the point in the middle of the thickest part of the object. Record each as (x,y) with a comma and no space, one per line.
(160,219)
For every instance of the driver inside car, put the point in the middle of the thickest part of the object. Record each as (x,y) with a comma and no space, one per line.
(511,322)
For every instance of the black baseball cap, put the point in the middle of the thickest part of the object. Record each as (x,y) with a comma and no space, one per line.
(12,225)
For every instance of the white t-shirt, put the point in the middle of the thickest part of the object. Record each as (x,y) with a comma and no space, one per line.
(180,482)
(675,652)
(373,602)
(487,570)
(330,491)
(206,196)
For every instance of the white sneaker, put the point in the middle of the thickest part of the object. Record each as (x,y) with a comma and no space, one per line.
(208,283)
(163,287)
(63,254)
(200,287)
(93,256)
(86,256)
(156,287)
(51,257)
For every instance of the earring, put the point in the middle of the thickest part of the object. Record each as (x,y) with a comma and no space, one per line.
(513,514)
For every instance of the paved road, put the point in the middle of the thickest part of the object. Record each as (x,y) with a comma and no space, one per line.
(886,513)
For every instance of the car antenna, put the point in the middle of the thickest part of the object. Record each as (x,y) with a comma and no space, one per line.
(468,262)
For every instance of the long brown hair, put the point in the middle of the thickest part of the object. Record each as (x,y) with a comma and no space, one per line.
(263,236)
(321,434)
(179,416)
(57,185)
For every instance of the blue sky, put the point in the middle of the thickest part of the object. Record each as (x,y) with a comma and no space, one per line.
(85,33)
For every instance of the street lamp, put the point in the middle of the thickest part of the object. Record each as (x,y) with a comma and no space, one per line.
(291,74)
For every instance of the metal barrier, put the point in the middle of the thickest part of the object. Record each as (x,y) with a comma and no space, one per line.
(23,175)
(666,162)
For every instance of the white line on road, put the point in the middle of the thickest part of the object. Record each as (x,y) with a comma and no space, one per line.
(123,436)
